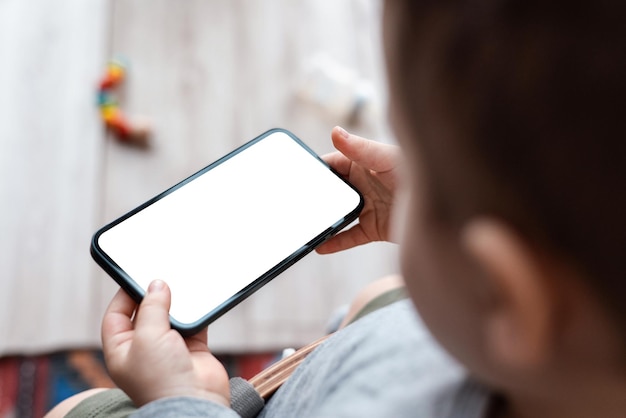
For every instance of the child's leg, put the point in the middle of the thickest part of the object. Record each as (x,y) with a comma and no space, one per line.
(68,404)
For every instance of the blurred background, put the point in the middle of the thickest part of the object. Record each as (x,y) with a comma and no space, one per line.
(209,75)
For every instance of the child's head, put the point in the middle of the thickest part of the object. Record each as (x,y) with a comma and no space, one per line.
(511,114)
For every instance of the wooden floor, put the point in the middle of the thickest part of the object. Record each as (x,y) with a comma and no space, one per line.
(210,75)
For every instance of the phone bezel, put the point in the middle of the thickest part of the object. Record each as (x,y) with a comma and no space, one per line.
(136,292)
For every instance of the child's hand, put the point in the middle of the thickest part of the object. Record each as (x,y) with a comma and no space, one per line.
(148,360)
(372,168)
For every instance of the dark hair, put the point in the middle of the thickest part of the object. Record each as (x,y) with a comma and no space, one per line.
(519,110)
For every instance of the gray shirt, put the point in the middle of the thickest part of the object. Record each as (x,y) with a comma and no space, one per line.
(384,365)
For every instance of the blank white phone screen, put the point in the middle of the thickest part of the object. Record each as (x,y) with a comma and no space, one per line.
(216,234)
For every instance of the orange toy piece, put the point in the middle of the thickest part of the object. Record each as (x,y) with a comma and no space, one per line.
(114,75)
(116,122)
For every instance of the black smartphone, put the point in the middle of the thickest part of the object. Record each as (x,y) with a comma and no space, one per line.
(227,230)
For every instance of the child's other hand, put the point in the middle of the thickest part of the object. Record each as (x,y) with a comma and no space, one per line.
(372,167)
(148,360)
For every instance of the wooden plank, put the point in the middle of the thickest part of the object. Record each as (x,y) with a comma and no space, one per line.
(50,145)
(214,74)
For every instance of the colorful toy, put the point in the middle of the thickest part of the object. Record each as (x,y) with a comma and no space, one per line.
(112,116)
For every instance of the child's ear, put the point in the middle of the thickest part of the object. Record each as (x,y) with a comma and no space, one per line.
(518,323)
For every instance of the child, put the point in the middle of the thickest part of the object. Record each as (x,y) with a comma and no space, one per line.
(509,214)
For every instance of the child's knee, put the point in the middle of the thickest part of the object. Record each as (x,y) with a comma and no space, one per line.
(68,404)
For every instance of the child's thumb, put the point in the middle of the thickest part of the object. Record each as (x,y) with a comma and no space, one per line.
(153,313)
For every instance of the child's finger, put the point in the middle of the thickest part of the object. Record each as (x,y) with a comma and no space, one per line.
(117,317)
(369,154)
(339,163)
(198,342)
(350,238)
(152,318)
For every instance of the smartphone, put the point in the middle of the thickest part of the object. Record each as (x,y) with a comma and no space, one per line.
(224,232)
